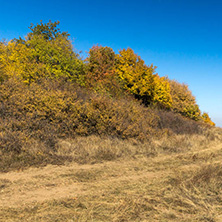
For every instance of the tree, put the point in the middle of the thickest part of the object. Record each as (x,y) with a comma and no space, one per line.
(100,71)
(2,73)
(141,80)
(46,52)
(207,119)
(183,100)
(100,64)
(48,31)
(161,92)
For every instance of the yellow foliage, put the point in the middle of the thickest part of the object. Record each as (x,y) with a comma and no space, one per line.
(162,94)
(135,75)
(207,119)
(141,80)
(18,61)
(183,101)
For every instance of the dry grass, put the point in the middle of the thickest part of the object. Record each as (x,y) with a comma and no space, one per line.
(174,179)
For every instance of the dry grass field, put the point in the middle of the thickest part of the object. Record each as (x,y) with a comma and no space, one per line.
(177,178)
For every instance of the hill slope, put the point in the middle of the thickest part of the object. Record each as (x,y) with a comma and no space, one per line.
(172,185)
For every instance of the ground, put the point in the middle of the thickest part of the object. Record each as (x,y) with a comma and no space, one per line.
(168,186)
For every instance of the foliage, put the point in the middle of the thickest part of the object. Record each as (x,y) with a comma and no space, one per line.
(101,62)
(42,97)
(207,119)
(49,110)
(1,64)
(46,52)
(161,93)
(136,77)
(100,74)
(183,100)
(49,31)
(141,80)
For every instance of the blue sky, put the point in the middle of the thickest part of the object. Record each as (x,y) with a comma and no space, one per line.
(181,37)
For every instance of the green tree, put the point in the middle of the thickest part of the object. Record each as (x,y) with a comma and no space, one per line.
(45,52)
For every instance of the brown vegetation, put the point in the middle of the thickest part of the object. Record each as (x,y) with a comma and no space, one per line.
(45,112)
(173,179)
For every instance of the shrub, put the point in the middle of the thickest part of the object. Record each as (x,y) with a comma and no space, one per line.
(49,110)
(178,124)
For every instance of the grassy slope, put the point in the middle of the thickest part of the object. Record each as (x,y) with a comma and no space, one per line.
(173,179)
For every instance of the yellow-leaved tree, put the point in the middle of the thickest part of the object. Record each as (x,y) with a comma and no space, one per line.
(207,119)
(161,93)
(183,100)
(141,80)
(2,67)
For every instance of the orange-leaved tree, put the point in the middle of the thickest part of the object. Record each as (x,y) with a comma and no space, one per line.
(100,70)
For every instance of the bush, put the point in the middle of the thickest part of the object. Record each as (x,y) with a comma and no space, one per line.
(49,110)
(178,124)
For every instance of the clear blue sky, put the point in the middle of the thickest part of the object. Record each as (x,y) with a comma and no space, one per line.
(183,38)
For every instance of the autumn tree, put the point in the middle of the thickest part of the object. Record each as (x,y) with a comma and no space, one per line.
(45,52)
(3,61)
(161,93)
(206,118)
(100,63)
(141,80)
(183,100)
(100,71)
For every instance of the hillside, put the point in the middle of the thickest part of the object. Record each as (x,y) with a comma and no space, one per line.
(100,139)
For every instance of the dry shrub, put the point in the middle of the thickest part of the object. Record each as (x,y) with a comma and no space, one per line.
(178,124)
(48,111)
(45,112)
(52,110)
(11,142)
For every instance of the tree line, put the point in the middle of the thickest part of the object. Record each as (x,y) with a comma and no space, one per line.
(47,53)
